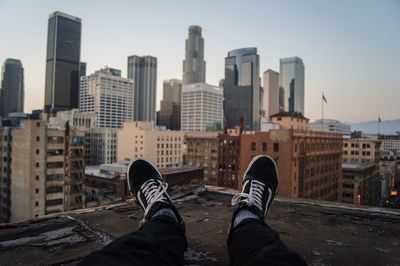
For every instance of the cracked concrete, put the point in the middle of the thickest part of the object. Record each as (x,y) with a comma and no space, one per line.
(324,233)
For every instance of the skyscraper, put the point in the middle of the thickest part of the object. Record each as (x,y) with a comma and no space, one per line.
(194,66)
(271,93)
(242,92)
(170,112)
(143,71)
(62,62)
(291,80)
(12,87)
(108,95)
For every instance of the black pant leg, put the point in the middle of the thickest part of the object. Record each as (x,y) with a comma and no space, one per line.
(160,241)
(255,243)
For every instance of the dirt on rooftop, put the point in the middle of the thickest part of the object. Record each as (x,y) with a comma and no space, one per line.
(323,233)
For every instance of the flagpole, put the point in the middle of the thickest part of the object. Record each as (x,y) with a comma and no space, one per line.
(379,125)
(322,120)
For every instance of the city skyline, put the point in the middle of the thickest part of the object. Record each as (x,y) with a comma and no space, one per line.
(350,58)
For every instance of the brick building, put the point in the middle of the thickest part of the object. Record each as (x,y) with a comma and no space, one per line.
(309,163)
(203,151)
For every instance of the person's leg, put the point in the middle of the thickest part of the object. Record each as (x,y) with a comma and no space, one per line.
(250,240)
(161,238)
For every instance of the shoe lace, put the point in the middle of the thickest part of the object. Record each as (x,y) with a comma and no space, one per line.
(153,191)
(254,197)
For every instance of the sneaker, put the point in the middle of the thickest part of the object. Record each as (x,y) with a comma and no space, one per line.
(260,183)
(149,189)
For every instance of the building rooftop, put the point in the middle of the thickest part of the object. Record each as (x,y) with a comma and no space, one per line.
(323,233)
(358,166)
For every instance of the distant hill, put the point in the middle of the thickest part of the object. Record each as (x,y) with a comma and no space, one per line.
(387,127)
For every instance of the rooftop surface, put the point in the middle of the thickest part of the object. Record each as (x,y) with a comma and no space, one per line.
(323,233)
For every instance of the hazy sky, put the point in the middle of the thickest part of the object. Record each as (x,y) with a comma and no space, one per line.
(350,49)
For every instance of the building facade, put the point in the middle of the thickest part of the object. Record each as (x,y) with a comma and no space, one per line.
(170,107)
(291,80)
(271,103)
(330,125)
(361,150)
(390,148)
(361,184)
(109,96)
(309,163)
(139,139)
(242,89)
(143,70)
(101,145)
(202,106)
(12,87)
(194,66)
(203,151)
(62,62)
(44,171)
(76,119)
(287,120)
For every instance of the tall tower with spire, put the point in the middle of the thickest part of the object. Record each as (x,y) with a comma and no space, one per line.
(194,66)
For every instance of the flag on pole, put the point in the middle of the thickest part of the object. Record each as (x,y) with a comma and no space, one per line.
(323,98)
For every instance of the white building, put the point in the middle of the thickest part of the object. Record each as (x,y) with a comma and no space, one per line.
(330,125)
(108,95)
(271,93)
(390,147)
(291,80)
(76,119)
(202,106)
(139,139)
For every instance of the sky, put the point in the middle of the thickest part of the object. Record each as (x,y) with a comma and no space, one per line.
(350,48)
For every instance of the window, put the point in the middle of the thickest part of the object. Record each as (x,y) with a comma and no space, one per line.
(37,164)
(37,152)
(37,191)
(37,124)
(54,202)
(253,146)
(276,147)
(38,139)
(36,203)
(37,178)
(264,146)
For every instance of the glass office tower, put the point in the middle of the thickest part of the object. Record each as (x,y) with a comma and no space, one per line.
(291,82)
(12,87)
(242,91)
(62,62)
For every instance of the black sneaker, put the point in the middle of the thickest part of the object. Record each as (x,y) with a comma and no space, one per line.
(149,189)
(260,183)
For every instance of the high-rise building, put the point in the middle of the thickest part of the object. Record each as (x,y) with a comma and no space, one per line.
(143,71)
(62,62)
(170,107)
(194,66)
(44,172)
(242,91)
(138,139)
(202,107)
(271,93)
(108,95)
(291,84)
(12,87)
